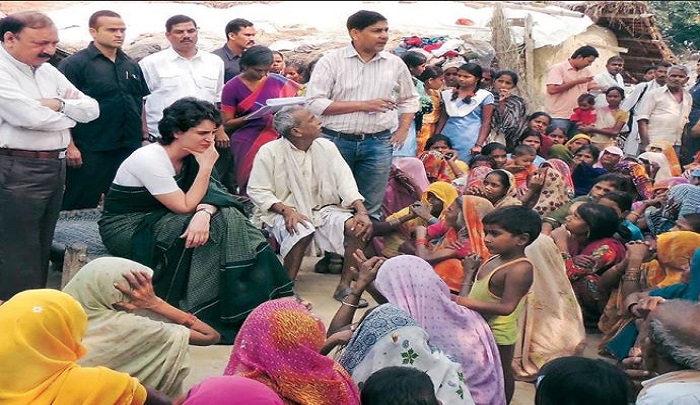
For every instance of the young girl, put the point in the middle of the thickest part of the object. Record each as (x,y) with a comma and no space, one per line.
(499,188)
(466,119)
(609,119)
(433,80)
(496,290)
(509,115)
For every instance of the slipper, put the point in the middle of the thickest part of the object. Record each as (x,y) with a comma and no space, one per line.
(362,303)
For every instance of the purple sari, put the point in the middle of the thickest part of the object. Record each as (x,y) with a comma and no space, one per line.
(238,100)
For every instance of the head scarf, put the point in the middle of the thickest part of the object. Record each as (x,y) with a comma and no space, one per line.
(40,334)
(387,337)
(561,152)
(231,390)
(666,184)
(640,178)
(413,168)
(673,252)
(552,323)
(564,170)
(477,175)
(411,284)
(689,197)
(510,197)
(474,210)
(575,137)
(444,191)
(670,153)
(660,160)
(435,166)
(279,345)
(155,352)
(554,192)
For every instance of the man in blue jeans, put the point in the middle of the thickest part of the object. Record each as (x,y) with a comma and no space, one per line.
(357,90)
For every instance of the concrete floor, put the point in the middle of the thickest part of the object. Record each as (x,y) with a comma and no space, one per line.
(318,289)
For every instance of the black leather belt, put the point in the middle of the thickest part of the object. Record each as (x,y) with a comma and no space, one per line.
(354,137)
(35,154)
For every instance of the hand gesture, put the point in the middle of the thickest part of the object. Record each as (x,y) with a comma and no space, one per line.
(537,179)
(475,190)
(292,218)
(221,140)
(420,210)
(672,208)
(456,245)
(645,306)
(362,227)
(139,292)
(475,150)
(560,235)
(341,337)
(197,232)
(451,154)
(207,158)
(634,366)
(585,262)
(380,105)
(471,263)
(368,267)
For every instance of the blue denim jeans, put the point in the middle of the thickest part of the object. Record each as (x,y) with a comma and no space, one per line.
(370,162)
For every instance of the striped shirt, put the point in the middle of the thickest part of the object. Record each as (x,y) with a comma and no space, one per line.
(342,75)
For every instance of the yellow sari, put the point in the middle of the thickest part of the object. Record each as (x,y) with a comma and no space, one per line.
(40,341)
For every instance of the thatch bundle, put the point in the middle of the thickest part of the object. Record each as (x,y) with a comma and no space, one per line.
(507,54)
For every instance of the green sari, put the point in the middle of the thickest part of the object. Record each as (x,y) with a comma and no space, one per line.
(220,282)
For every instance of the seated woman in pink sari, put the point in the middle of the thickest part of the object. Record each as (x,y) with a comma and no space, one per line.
(245,93)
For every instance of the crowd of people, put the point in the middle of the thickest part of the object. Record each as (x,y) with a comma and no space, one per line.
(492,237)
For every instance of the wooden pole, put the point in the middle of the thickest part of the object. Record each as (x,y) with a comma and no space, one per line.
(529,59)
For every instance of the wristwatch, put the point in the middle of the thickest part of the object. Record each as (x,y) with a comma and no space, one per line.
(152,138)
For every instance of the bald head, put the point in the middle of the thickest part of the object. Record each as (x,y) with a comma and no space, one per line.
(675,336)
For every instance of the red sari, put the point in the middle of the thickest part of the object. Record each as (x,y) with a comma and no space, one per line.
(239,100)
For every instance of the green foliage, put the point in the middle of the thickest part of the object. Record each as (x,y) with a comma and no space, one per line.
(679,22)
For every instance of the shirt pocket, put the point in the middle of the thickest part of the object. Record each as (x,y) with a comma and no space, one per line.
(207,81)
(169,80)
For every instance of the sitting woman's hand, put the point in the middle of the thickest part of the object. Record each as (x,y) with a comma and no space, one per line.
(207,158)
(138,294)
(368,267)
(420,210)
(536,180)
(586,262)
(197,232)
(638,250)
(475,190)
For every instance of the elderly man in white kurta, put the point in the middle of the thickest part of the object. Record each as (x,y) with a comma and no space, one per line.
(304,191)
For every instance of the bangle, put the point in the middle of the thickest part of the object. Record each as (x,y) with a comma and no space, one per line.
(191,319)
(633,275)
(349,304)
(205,209)
(62,108)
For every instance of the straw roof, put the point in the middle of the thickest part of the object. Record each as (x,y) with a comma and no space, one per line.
(633,25)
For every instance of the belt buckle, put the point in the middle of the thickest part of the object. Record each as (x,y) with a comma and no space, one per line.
(62,154)
(362,136)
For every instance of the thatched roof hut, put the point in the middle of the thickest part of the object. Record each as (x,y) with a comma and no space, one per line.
(632,22)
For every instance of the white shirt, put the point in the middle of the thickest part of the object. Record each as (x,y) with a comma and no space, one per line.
(171,77)
(605,80)
(24,122)
(270,184)
(663,390)
(667,117)
(342,75)
(150,167)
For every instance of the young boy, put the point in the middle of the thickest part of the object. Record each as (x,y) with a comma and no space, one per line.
(584,115)
(521,164)
(621,202)
(497,289)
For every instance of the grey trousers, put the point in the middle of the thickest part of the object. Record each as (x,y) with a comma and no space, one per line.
(31,191)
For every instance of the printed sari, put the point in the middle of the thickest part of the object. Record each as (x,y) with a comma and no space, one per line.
(551,324)
(239,100)
(509,120)
(280,345)
(387,337)
(410,283)
(606,253)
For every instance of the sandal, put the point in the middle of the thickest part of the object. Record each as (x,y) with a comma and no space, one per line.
(362,303)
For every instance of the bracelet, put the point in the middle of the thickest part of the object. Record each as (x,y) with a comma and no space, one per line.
(191,319)
(632,275)
(349,304)
(205,209)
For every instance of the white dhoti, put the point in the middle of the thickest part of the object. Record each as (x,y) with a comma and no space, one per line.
(329,236)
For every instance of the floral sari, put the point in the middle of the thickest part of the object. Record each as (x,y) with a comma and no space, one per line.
(239,100)
(606,253)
